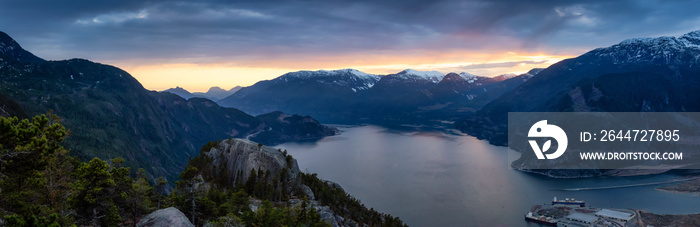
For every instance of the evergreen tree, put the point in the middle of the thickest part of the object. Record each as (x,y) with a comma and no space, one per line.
(121,191)
(160,189)
(189,184)
(30,155)
(58,183)
(138,201)
(40,185)
(240,201)
(92,196)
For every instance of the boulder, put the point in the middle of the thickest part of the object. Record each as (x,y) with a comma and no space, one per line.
(327,215)
(307,191)
(171,217)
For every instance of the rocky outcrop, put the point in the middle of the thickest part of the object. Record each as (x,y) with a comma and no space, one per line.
(333,184)
(170,217)
(241,156)
(306,191)
(234,158)
(325,212)
(327,215)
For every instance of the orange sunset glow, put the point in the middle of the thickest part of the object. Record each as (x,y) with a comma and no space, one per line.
(200,77)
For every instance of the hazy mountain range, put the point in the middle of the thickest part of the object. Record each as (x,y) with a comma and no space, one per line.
(214,93)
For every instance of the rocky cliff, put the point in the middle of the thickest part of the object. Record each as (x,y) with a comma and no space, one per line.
(241,156)
(269,174)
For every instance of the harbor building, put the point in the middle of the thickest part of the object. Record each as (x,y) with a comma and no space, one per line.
(578,220)
(620,216)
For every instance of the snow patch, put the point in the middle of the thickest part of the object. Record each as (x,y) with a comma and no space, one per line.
(470,78)
(467,76)
(328,73)
(503,77)
(665,50)
(636,41)
(352,78)
(432,76)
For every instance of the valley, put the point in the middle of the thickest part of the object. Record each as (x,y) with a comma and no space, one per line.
(450,178)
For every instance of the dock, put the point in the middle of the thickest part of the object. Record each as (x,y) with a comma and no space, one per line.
(574,215)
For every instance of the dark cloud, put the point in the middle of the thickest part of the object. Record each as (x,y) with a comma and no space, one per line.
(248,30)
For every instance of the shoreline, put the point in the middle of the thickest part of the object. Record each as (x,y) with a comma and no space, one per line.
(691,187)
(652,219)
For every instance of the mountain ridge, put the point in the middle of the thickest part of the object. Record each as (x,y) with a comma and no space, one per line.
(12,51)
(214,93)
(399,98)
(635,75)
(112,115)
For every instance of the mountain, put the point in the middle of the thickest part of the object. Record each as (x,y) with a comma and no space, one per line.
(317,93)
(180,92)
(214,93)
(500,88)
(414,76)
(217,93)
(636,75)
(462,85)
(110,114)
(405,82)
(12,52)
(503,77)
(350,96)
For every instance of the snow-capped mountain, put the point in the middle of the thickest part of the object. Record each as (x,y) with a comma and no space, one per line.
(329,73)
(407,81)
(348,95)
(644,74)
(662,50)
(462,86)
(503,77)
(410,74)
(352,79)
(303,92)
(533,72)
(470,78)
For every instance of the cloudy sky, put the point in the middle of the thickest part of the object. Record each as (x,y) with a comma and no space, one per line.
(199,44)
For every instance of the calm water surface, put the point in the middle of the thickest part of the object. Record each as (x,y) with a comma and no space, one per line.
(436,179)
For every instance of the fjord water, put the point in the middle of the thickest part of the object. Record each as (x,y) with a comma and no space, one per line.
(438,179)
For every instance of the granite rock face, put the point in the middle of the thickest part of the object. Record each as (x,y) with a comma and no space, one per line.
(242,155)
(235,158)
(171,217)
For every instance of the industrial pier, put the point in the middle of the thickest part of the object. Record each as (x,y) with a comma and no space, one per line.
(573,213)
